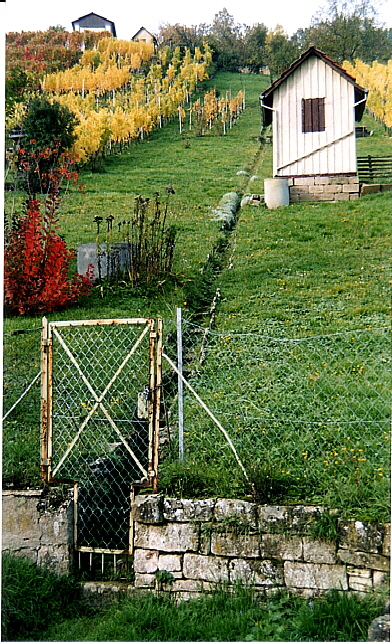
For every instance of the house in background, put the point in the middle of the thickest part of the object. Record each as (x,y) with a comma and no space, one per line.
(94,22)
(144,36)
(313,107)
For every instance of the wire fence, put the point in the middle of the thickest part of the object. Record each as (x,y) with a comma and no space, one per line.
(308,419)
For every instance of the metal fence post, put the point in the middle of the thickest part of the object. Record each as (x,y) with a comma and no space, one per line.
(180,387)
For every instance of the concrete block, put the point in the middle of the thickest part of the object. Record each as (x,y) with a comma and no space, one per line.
(201,567)
(170,538)
(188,510)
(259,573)
(235,545)
(315,576)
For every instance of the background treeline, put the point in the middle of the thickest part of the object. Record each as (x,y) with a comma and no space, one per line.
(343,30)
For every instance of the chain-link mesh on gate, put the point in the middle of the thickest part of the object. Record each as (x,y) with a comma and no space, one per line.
(309,418)
(100,403)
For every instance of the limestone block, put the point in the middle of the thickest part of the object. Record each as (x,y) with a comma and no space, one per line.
(316,189)
(319,552)
(315,576)
(235,545)
(187,510)
(354,180)
(322,180)
(386,546)
(270,517)
(386,188)
(281,547)
(257,572)
(333,188)
(380,579)
(354,197)
(246,512)
(304,180)
(367,560)
(148,509)
(170,537)
(297,190)
(302,515)
(342,197)
(190,586)
(169,563)
(370,189)
(360,536)
(359,579)
(379,630)
(350,187)
(201,567)
(145,561)
(144,580)
(56,558)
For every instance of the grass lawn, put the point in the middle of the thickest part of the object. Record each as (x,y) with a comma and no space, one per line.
(304,271)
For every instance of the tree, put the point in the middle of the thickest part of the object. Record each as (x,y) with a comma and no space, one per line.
(281,51)
(348,30)
(48,130)
(181,36)
(255,54)
(226,41)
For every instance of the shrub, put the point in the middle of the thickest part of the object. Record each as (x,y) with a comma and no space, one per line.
(37,262)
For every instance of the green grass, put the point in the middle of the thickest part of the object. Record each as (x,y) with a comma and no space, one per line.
(31,595)
(296,272)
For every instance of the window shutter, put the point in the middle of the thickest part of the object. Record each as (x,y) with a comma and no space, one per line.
(313,115)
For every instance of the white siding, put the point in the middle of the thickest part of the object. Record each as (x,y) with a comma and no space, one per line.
(328,152)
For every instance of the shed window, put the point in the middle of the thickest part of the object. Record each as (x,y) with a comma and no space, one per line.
(313,115)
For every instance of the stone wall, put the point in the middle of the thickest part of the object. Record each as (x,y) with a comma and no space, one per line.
(188,545)
(39,527)
(334,188)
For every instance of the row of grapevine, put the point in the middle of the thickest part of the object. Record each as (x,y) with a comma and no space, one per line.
(114,104)
(377,78)
(42,52)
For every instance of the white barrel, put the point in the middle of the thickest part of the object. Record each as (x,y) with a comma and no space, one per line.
(276,192)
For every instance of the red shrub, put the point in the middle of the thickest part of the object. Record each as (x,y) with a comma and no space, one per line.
(36,265)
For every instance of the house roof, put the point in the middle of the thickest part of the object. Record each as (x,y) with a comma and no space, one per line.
(140,31)
(267,96)
(94,21)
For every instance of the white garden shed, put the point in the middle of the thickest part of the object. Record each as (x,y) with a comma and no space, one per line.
(313,107)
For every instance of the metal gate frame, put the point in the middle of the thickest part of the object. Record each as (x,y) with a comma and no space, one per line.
(49,330)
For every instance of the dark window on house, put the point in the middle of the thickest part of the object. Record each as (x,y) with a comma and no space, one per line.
(313,114)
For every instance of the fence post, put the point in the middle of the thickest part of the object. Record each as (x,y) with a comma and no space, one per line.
(180,387)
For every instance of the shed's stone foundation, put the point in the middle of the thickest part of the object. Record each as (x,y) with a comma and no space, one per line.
(333,188)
